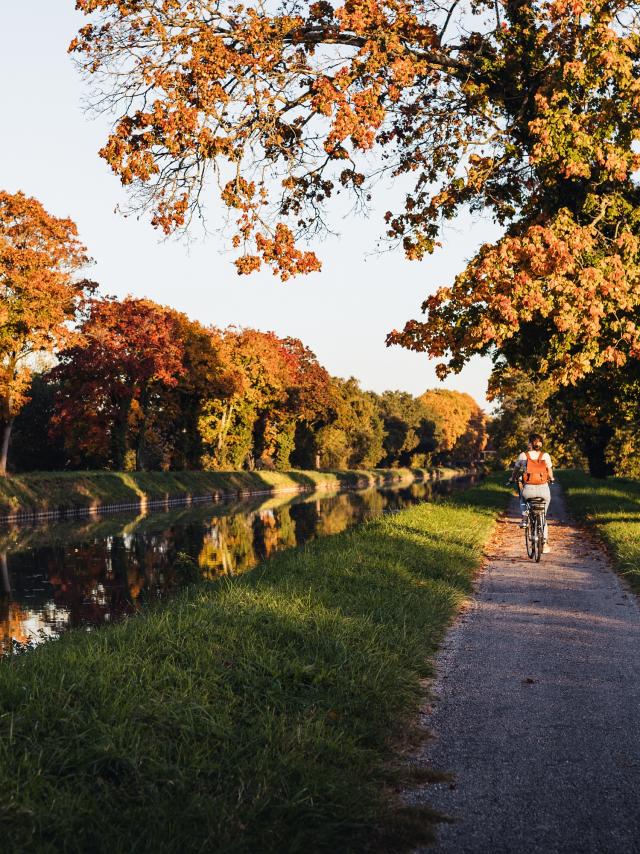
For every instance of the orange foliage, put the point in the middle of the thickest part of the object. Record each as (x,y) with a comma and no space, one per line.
(454,414)
(528,110)
(234,86)
(563,285)
(271,383)
(40,256)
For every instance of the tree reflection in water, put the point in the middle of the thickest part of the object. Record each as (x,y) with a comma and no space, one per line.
(89,572)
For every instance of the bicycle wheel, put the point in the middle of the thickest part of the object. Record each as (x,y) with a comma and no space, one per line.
(528,536)
(538,539)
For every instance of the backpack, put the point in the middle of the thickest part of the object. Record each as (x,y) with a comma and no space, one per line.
(536,472)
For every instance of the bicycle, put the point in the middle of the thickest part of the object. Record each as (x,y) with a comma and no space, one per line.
(534,529)
(536,521)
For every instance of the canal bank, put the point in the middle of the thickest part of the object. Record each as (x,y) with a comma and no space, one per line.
(66,494)
(93,570)
(255,713)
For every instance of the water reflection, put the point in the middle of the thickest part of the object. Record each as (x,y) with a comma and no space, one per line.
(88,572)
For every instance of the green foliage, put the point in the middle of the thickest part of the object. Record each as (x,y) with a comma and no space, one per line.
(409,432)
(525,408)
(284,446)
(602,412)
(353,438)
(255,714)
(226,430)
(32,446)
(623,450)
(593,422)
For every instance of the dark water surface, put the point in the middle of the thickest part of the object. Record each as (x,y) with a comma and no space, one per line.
(93,571)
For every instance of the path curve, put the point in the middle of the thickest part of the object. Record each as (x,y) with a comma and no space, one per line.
(537,709)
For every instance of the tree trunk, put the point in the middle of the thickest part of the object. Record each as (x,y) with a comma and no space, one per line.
(595,453)
(119,436)
(4,449)
(141,446)
(225,422)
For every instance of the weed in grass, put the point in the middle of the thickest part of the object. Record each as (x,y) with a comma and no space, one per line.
(186,569)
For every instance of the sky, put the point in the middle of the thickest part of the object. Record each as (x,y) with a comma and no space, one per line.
(49,149)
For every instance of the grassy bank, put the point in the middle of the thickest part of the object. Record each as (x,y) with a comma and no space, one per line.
(612,507)
(68,491)
(254,714)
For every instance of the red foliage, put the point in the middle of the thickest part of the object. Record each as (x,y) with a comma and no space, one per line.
(127,347)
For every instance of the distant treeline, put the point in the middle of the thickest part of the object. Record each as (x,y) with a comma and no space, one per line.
(148,388)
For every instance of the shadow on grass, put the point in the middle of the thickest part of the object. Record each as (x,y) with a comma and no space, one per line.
(612,508)
(248,715)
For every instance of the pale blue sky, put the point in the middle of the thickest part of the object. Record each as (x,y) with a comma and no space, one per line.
(48,149)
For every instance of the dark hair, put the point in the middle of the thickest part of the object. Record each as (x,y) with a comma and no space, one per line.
(533,437)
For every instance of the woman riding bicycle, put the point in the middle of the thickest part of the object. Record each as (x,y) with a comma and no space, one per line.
(534,470)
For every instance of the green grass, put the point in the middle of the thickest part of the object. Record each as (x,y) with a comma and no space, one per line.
(612,507)
(257,714)
(47,491)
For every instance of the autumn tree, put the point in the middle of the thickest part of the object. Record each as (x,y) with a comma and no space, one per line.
(298,410)
(247,425)
(354,432)
(278,396)
(173,437)
(309,400)
(129,349)
(41,294)
(526,110)
(460,424)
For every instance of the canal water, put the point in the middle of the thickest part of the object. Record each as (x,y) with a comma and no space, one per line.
(84,573)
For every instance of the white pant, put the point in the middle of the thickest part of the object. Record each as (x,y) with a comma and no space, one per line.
(539,490)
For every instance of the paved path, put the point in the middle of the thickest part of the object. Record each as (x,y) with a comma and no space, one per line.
(538,705)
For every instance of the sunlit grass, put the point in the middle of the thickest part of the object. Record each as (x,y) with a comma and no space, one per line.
(251,714)
(612,506)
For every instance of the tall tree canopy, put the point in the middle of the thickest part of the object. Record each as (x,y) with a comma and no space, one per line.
(277,395)
(526,108)
(594,420)
(409,429)
(460,424)
(144,386)
(40,295)
(129,350)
